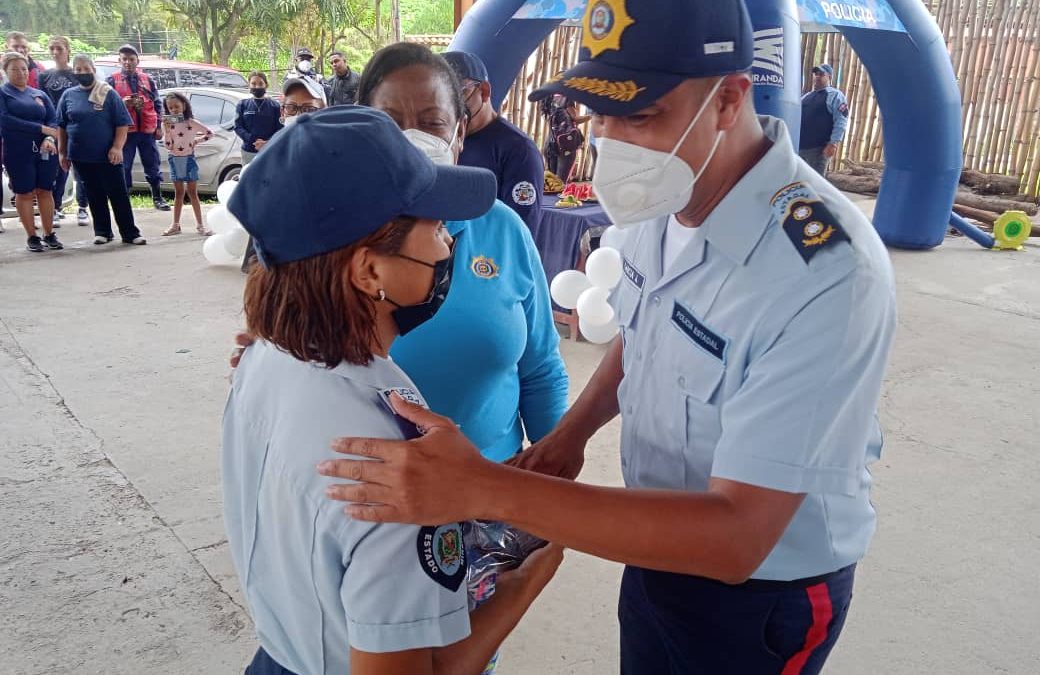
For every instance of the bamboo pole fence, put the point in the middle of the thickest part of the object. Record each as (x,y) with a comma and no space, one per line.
(994,47)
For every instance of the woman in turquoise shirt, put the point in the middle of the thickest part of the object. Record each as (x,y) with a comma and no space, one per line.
(490,359)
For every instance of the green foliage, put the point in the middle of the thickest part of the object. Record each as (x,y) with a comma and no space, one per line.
(244,28)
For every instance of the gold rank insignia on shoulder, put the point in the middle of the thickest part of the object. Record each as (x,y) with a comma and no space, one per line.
(808,222)
(605,23)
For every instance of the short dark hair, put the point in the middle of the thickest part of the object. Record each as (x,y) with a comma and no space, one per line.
(395,57)
(339,54)
(310,309)
(260,74)
(188,114)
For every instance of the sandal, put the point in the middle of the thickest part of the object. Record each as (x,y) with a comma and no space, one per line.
(172,230)
(204,231)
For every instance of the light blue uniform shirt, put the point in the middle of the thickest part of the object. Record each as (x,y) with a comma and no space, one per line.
(490,358)
(317,582)
(758,356)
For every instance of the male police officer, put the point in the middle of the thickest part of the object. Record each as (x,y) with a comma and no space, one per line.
(141,98)
(757,310)
(825,116)
(493,143)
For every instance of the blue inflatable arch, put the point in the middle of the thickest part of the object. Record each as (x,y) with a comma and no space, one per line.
(921,122)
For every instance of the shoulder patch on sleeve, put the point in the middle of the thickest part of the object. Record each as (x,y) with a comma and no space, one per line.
(524,193)
(806,219)
(442,554)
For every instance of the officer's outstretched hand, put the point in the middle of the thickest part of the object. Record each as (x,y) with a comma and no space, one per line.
(433,479)
(555,455)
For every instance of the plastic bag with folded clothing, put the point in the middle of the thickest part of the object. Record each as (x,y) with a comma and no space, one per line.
(492,548)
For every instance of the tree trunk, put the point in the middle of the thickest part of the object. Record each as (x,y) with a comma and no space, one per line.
(379,22)
(272,58)
(396,10)
(991,184)
(996,204)
(859,184)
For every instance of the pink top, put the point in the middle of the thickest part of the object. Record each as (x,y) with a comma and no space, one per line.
(182,137)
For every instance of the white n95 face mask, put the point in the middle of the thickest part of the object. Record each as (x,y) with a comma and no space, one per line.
(290,120)
(304,66)
(436,148)
(635,184)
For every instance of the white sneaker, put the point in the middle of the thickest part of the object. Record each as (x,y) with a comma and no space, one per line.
(138,241)
(99,240)
(82,218)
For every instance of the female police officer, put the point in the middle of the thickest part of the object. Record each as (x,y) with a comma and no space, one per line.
(343,273)
(747,375)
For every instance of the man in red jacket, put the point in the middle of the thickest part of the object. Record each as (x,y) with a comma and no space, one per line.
(18,42)
(141,98)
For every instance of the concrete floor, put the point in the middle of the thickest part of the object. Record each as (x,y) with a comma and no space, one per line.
(112,554)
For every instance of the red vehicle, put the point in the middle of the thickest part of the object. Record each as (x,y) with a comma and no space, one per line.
(173,74)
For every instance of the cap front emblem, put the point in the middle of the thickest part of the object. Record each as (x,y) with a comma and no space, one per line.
(605,23)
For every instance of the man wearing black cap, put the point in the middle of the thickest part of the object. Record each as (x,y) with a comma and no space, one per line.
(493,143)
(756,309)
(141,98)
(825,116)
(304,70)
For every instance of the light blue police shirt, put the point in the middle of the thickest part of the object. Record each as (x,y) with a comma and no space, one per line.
(758,356)
(317,582)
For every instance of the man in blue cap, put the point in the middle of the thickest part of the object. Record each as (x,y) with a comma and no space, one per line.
(756,308)
(825,116)
(493,143)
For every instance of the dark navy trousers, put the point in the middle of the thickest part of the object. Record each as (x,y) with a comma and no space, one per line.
(146,145)
(675,624)
(263,664)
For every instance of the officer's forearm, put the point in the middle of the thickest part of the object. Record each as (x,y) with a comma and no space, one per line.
(120,138)
(598,403)
(710,534)
(490,625)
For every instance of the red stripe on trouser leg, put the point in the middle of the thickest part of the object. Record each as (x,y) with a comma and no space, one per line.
(820,601)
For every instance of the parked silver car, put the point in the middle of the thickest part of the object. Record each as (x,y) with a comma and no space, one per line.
(219,158)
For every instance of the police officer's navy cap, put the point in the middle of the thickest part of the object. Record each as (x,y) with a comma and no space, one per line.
(339,175)
(633,52)
(304,51)
(467,66)
(128,49)
(823,68)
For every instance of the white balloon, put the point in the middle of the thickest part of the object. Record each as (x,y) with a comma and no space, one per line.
(598,334)
(216,251)
(613,237)
(225,189)
(603,267)
(235,241)
(220,220)
(567,287)
(593,307)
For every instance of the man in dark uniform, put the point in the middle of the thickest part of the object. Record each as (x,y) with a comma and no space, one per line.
(825,116)
(141,98)
(495,144)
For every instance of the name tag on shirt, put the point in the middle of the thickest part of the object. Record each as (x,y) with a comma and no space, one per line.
(410,431)
(704,337)
(634,276)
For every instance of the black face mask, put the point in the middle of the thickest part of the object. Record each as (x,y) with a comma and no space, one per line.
(258,92)
(85,79)
(411,317)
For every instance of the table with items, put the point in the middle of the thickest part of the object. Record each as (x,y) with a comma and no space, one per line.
(564,237)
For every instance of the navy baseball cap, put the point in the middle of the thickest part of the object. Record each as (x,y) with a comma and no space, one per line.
(633,52)
(824,68)
(467,66)
(339,175)
(129,49)
(304,51)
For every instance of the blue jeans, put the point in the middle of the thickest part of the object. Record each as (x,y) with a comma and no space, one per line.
(60,181)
